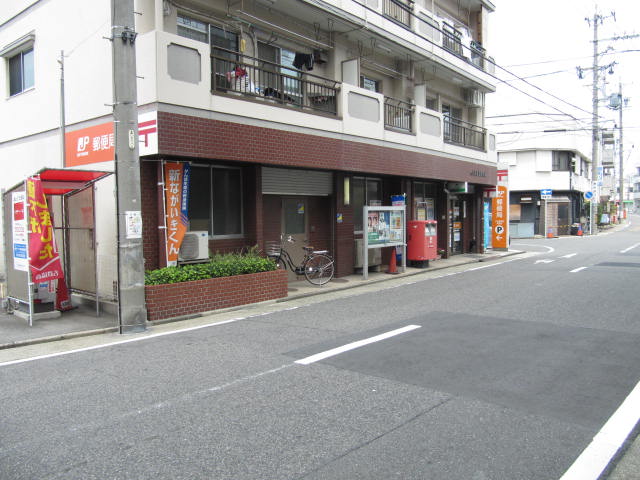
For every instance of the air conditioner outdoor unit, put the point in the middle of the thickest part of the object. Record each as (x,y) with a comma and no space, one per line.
(195,247)
(474,97)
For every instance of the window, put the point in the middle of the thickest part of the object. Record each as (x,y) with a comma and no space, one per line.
(192,28)
(561,161)
(369,84)
(21,75)
(215,200)
(424,198)
(366,191)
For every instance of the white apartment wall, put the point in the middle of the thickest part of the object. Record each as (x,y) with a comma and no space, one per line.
(77,28)
(532,170)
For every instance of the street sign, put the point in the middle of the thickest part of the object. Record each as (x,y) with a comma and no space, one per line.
(588,195)
(546,193)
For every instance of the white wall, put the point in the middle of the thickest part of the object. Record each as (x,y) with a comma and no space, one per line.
(77,28)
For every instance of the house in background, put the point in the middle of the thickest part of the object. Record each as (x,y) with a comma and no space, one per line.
(292,115)
(567,173)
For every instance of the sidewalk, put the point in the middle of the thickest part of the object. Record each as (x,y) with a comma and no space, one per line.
(82,321)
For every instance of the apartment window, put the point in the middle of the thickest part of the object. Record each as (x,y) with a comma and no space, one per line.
(215,200)
(21,75)
(191,28)
(366,191)
(370,84)
(561,161)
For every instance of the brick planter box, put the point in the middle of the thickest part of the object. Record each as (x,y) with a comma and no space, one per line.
(186,298)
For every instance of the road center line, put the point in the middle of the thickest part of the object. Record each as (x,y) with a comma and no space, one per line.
(351,346)
(596,457)
(630,248)
(569,256)
(577,269)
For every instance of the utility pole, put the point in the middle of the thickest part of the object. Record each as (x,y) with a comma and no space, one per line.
(62,115)
(621,151)
(595,133)
(132,314)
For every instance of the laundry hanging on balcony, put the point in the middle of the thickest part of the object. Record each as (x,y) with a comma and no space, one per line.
(303,60)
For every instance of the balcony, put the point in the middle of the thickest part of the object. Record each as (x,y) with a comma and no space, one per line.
(398,115)
(397,11)
(235,73)
(458,132)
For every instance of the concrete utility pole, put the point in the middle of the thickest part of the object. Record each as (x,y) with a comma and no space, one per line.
(621,151)
(62,115)
(132,314)
(595,133)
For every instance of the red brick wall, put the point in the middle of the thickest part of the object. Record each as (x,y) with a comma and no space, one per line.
(186,298)
(189,136)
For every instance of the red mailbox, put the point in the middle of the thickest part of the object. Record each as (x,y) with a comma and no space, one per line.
(422,240)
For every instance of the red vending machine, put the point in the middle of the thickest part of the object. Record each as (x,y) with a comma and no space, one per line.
(422,242)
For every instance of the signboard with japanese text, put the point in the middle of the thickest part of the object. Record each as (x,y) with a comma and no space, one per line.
(176,179)
(19,231)
(97,143)
(499,220)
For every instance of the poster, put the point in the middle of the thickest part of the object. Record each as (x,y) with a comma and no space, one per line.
(19,231)
(378,227)
(133,220)
(395,233)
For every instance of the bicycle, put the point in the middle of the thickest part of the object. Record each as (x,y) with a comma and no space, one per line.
(317,265)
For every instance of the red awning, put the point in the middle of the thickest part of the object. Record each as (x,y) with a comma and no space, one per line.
(62,181)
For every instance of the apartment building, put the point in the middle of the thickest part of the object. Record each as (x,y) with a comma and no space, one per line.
(292,115)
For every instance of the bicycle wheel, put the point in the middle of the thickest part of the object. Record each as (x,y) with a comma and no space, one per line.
(280,263)
(318,269)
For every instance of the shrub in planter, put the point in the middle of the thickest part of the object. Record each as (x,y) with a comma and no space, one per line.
(220,265)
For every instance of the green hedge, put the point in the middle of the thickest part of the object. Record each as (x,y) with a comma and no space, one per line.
(220,265)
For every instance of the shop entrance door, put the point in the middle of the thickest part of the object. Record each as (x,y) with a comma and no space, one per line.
(455,226)
(294,224)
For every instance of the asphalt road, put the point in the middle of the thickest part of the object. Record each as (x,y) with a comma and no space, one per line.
(505,370)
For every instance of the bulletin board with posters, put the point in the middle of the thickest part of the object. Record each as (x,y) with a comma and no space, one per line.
(385,227)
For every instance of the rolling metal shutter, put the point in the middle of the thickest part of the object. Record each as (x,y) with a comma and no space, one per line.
(285,181)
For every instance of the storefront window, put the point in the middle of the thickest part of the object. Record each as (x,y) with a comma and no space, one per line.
(424,201)
(215,200)
(366,191)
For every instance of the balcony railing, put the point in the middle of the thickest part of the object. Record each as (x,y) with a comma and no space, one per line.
(398,114)
(462,133)
(397,10)
(233,72)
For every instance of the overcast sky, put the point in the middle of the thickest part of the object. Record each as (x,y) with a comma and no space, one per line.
(545,41)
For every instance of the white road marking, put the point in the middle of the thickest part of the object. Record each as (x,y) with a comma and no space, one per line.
(120,342)
(484,266)
(630,248)
(551,249)
(595,458)
(546,260)
(577,269)
(569,256)
(351,346)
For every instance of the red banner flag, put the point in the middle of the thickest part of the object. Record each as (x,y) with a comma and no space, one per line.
(44,260)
